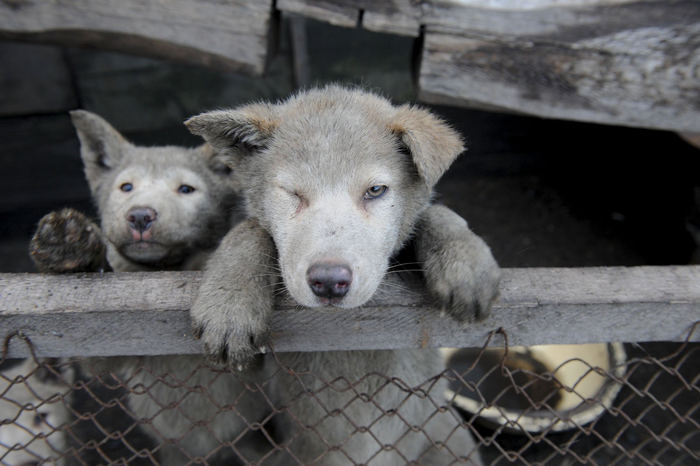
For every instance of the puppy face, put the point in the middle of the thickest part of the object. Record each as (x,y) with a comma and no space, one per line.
(337,203)
(153,211)
(157,204)
(338,178)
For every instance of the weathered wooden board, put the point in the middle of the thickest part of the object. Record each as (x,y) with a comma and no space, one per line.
(632,63)
(338,13)
(622,62)
(146,313)
(631,78)
(231,35)
(390,16)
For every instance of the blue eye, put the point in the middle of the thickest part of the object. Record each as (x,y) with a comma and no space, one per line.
(185,189)
(126,187)
(375,192)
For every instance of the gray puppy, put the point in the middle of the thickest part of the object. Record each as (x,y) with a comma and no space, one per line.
(161,208)
(335,182)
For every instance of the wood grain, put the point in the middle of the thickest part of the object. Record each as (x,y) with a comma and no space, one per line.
(147,313)
(620,62)
(231,35)
(630,63)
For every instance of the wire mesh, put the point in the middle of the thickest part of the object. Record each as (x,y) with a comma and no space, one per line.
(632,405)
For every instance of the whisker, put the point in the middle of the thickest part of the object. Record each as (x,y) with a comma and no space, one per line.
(270,256)
(403,264)
(387,286)
(403,270)
(270,266)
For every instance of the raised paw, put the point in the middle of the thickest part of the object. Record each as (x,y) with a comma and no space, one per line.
(460,272)
(67,241)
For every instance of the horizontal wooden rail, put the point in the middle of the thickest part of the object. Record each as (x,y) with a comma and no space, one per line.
(231,35)
(147,313)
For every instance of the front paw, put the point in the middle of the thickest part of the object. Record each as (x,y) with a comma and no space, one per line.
(463,282)
(460,272)
(67,241)
(233,328)
(232,311)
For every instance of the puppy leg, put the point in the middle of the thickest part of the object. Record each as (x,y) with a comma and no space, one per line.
(460,271)
(231,312)
(67,241)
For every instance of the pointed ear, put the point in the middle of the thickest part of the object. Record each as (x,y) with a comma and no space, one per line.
(430,141)
(236,132)
(101,146)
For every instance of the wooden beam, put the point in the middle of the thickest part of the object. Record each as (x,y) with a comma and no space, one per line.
(620,62)
(147,313)
(628,63)
(300,52)
(332,12)
(231,35)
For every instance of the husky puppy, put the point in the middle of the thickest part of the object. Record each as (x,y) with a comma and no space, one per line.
(31,413)
(161,208)
(335,182)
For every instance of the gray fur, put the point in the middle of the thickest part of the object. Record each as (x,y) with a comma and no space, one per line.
(187,227)
(305,167)
(32,412)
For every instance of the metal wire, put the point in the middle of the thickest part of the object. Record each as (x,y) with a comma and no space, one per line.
(79,411)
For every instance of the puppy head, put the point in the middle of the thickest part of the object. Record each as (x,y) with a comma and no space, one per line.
(338,178)
(157,204)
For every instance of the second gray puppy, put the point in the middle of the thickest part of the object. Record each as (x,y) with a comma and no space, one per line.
(161,208)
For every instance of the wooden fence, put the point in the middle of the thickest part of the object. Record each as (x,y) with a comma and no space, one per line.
(147,313)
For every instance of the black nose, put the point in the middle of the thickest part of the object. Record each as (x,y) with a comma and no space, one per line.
(141,218)
(329,280)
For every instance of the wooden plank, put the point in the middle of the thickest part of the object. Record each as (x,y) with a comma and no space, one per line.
(231,35)
(300,52)
(620,62)
(398,23)
(388,16)
(147,313)
(335,13)
(632,64)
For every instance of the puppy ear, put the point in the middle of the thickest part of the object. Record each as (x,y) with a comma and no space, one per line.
(430,141)
(101,146)
(236,132)
(213,159)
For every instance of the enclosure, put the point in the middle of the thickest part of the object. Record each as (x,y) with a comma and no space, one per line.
(593,225)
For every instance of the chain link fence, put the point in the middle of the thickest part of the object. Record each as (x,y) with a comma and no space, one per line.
(608,404)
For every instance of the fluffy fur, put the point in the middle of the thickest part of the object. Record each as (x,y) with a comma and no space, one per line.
(32,414)
(335,183)
(161,208)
